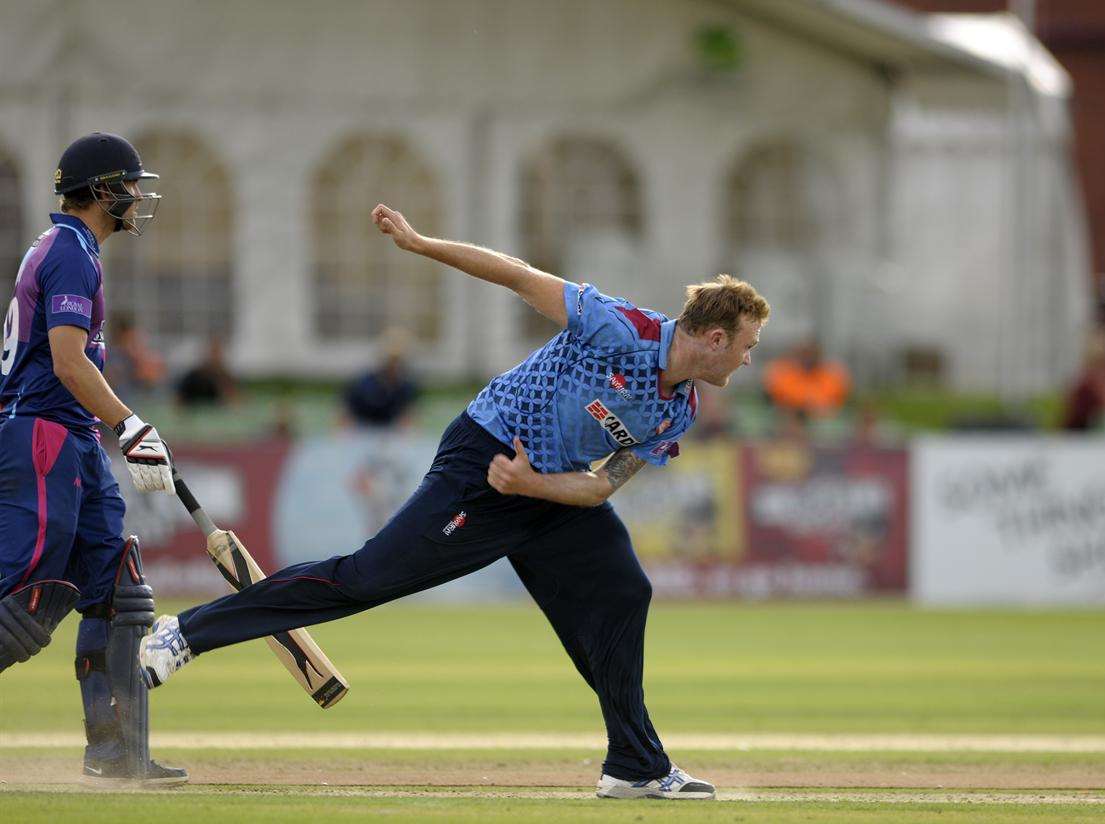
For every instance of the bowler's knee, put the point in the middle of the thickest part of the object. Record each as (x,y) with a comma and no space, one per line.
(631,592)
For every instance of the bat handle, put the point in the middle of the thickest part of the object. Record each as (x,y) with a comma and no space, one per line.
(203,521)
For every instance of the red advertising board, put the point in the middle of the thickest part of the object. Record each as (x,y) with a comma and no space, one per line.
(778,519)
(827,521)
(723,520)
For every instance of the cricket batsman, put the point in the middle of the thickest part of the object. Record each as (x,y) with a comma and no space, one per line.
(513,477)
(61,514)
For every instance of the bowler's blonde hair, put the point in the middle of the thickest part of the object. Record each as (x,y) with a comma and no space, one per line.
(721,303)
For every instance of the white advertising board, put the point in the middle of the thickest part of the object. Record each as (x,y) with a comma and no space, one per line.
(1008,520)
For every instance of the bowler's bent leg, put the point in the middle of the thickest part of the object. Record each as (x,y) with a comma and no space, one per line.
(588,582)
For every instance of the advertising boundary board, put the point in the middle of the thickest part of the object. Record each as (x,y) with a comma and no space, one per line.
(1008,520)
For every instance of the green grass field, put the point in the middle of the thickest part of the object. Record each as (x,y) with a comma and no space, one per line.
(811,712)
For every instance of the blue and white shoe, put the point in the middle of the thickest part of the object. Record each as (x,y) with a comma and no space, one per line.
(163,651)
(675,785)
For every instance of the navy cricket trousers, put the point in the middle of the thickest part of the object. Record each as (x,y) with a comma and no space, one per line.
(61,514)
(577,563)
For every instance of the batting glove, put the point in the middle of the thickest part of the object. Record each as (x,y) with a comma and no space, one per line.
(148,458)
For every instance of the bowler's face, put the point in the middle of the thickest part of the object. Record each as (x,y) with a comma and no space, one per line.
(738,353)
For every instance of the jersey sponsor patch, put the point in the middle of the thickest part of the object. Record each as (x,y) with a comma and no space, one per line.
(71,305)
(456,523)
(617,383)
(611,423)
(579,298)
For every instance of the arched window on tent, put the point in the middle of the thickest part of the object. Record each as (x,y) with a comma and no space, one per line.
(581,216)
(13,241)
(781,214)
(363,283)
(177,279)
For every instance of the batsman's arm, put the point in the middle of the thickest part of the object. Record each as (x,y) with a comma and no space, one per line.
(146,455)
(542,291)
(81,377)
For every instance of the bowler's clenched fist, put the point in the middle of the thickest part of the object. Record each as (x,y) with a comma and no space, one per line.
(392,223)
(511,476)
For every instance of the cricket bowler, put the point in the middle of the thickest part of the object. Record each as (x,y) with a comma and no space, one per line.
(61,514)
(513,477)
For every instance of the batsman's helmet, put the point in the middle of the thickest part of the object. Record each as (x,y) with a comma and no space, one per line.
(104,162)
(98,158)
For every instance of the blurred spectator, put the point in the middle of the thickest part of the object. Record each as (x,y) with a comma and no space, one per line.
(209,382)
(803,385)
(866,425)
(1085,401)
(384,395)
(132,366)
(284,426)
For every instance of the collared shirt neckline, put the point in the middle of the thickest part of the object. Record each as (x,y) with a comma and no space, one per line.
(78,226)
(667,336)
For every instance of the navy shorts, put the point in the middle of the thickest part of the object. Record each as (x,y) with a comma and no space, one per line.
(61,514)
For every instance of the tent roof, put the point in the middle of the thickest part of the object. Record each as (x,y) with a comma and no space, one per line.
(991,44)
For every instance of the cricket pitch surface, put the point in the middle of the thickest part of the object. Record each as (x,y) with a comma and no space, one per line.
(796,712)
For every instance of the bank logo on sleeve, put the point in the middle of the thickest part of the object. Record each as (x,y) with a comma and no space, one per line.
(71,305)
(611,423)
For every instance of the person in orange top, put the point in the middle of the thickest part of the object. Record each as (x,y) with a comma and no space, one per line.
(805,384)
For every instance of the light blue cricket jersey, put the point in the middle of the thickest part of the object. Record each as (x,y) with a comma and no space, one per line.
(592,389)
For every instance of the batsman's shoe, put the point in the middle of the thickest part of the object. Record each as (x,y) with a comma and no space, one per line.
(163,651)
(675,785)
(113,774)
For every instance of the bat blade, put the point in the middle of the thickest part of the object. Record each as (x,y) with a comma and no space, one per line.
(295,648)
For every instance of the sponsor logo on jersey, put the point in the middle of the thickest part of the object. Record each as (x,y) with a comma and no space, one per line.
(458,521)
(71,304)
(617,383)
(579,298)
(611,423)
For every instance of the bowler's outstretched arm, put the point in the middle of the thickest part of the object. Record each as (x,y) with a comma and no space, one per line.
(542,291)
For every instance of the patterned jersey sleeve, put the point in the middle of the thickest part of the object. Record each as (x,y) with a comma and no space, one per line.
(68,285)
(602,321)
(662,448)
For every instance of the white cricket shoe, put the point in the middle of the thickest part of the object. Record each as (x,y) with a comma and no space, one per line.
(675,785)
(163,651)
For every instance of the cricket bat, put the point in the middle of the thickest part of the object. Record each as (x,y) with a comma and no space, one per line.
(295,648)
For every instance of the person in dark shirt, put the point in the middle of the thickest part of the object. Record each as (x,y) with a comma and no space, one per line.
(383,396)
(209,382)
